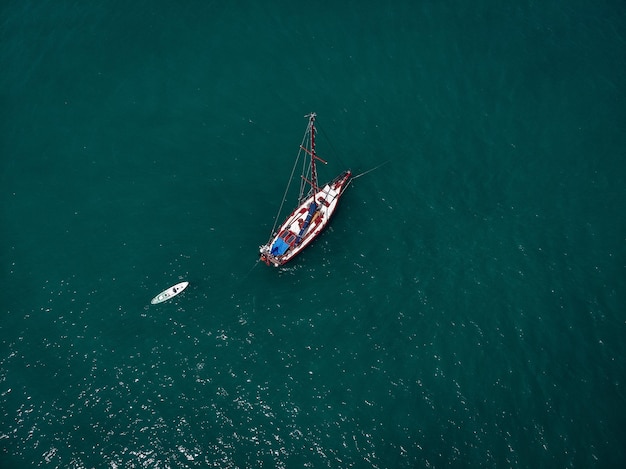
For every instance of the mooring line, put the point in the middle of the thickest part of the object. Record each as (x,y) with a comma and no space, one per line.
(250,271)
(370,170)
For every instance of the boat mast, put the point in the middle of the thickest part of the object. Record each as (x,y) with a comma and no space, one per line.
(313,156)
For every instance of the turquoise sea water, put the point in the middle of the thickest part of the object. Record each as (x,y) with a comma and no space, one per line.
(466,307)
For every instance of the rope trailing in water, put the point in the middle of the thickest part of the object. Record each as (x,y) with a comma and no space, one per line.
(370,170)
(366,172)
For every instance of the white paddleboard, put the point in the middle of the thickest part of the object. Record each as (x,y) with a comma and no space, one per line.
(169,293)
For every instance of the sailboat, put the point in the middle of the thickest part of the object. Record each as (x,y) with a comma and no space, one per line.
(315,205)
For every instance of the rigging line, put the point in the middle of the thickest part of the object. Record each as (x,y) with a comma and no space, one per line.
(306,170)
(334,151)
(293,170)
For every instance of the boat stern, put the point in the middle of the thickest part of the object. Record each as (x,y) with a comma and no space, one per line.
(266,256)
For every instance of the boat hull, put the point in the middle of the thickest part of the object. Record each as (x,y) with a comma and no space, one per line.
(305,223)
(169,293)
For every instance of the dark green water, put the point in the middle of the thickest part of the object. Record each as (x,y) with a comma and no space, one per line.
(466,308)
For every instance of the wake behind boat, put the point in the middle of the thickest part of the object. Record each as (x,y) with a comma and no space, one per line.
(169,293)
(313,211)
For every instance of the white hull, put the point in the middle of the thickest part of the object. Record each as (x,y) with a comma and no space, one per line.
(289,232)
(169,293)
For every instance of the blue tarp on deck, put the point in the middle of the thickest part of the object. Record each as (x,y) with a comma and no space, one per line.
(279,247)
